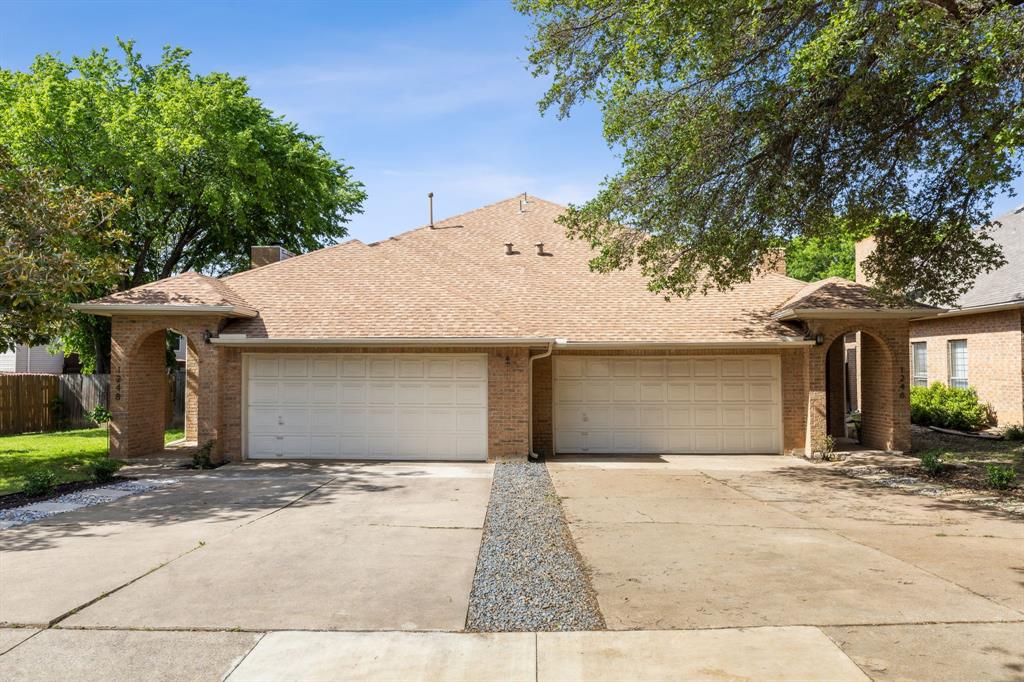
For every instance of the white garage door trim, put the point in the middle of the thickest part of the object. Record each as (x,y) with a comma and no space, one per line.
(728,404)
(376,406)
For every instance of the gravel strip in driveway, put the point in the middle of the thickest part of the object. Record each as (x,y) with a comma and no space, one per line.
(529,576)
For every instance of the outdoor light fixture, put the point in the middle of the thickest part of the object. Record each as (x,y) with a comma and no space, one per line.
(207,335)
(819,339)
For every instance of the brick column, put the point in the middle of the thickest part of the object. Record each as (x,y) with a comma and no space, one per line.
(817,418)
(191,392)
(835,376)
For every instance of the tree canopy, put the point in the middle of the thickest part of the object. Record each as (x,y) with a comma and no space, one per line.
(55,247)
(814,258)
(209,171)
(746,124)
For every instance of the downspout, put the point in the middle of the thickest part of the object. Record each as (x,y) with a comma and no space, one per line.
(545,354)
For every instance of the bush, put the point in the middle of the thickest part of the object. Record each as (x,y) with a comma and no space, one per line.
(202,459)
(931,462)
(39,482)
(1014,432)
(952,408)
(1000,477)
(103,471)
(99,414)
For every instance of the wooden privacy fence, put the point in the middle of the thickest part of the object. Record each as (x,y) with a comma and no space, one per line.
(25,401)
(28,401)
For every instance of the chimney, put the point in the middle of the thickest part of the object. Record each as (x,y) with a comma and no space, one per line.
(265,255)
(864,248)
(774,260)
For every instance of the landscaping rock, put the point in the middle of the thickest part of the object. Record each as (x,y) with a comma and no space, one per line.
(17,516)
(529,576)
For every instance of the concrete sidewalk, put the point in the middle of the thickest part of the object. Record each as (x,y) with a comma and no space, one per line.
(803,653)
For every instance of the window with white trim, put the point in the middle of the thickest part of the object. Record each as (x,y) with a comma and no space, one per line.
(958,363)
(920,363)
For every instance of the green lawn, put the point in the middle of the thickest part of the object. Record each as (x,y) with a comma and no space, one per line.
(69,453)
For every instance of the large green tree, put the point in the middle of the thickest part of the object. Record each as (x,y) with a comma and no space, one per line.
(55,248)
(814,258)
(208,169)
(744,124)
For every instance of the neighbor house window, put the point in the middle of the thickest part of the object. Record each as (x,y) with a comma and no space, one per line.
(920,359)
(958,363)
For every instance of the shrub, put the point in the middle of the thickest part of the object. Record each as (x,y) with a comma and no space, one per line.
(202,458)
(1000,477)
(949,407)
(39,482)
(1014,432)
(99,414)
(103,471)
(931,462)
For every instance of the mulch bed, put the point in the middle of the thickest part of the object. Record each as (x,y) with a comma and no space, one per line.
(18,499)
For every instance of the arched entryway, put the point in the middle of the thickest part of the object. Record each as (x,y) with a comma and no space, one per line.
(861,380)
(139,393)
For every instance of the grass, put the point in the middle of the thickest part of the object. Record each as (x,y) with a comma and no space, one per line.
(67,453)
(173,434)
(964,449)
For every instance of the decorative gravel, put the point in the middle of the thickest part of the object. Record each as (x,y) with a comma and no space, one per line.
(529,576)
(17,516)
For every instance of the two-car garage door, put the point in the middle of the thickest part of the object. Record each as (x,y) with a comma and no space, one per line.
(728,404)
(366,406)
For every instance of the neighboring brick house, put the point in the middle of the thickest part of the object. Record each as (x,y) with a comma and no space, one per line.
(980,341)
(487,336)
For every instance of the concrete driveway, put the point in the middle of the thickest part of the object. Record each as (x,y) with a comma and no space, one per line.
(909,587)
(802,569)
(258,547)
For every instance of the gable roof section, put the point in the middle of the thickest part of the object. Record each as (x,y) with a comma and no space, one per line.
(187,293)
(1006,284)
(838,297)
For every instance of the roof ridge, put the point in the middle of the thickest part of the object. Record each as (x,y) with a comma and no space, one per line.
(459,215)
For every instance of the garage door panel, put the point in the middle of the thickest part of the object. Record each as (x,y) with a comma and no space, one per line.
(378,406)
(724,404)
(294,392)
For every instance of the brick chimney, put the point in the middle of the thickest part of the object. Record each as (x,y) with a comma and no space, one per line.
(775,261)
(265,255)
(864,248)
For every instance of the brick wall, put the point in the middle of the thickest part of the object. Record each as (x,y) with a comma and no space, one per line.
(543,418)
(995,359)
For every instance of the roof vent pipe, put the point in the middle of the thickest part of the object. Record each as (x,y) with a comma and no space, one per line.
(508,249)
(540,248)
(430,203)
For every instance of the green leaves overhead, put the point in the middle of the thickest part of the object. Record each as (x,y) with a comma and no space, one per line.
(746,124)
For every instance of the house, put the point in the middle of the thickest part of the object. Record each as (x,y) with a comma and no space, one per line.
(31,360)
(487,336)
(980,341)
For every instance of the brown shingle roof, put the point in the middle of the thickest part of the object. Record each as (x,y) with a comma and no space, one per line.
(837,295)
(189,288)
(454,280)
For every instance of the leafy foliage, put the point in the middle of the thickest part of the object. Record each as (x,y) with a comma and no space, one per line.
(1000,477)
(813,258)
(103,470)
(931,462)
(1014,432)
(56,243)
(39,482)
(949,407)
(99,414)
(744,124)
(209,170)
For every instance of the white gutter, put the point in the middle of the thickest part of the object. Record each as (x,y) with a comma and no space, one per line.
(778,342)
(162,309)
(854,313)
(975,310)
(529,411)
(239,340)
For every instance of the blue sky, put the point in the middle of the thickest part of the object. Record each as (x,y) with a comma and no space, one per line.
(416,96)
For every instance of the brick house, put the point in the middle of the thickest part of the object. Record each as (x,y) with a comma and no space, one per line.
(486,336)
(980,341)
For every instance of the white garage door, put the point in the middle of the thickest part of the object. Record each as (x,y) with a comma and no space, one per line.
(667,405)
(372,406)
